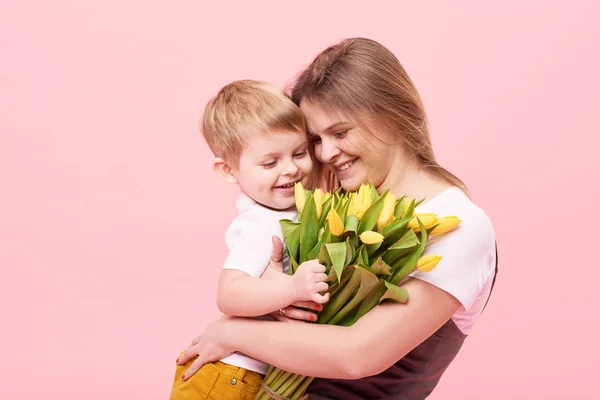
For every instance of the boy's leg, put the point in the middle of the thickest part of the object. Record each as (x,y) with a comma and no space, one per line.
(243,384)
(216,381)
(198,387)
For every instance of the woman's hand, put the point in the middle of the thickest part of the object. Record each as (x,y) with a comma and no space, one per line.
(294,312)
(207,347)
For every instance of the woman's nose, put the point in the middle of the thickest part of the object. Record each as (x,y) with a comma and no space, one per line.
(327,151)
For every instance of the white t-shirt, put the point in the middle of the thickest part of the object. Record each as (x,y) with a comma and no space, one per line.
(248,239)
(468,255)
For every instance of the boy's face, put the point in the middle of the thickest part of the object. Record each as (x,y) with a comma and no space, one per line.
(269,166)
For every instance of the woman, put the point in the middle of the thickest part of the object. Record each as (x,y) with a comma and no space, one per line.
(366,122)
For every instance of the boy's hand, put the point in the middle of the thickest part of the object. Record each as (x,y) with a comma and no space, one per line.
(308,282)
(298,310)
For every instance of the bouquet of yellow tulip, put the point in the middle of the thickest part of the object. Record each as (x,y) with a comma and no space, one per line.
(369,243)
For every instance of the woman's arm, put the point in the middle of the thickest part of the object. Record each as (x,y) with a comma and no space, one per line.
(370,346)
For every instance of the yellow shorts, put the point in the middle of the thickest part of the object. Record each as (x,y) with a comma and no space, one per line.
(216,381)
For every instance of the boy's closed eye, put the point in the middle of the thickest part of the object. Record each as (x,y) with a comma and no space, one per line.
(269,164)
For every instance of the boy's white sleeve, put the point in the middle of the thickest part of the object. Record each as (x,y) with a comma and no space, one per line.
(250,244)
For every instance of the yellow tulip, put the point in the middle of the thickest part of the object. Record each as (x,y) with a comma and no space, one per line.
(365,200)
(326,197)
(428,262)
(354,204)
(318,196)
(300,196)
(370,237)
(336,226)
(387,212)
(428,220)
(446,224)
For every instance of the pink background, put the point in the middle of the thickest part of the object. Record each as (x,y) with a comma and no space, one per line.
(112,222)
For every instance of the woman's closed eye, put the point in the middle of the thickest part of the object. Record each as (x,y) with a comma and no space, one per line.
(340,134)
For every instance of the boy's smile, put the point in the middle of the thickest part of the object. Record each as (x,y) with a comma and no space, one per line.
(270,165)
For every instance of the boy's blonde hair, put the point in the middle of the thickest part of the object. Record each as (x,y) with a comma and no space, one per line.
(243,109)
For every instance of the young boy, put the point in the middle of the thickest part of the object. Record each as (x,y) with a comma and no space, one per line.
(259,141)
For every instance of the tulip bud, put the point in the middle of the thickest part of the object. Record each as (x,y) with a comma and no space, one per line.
(370,237)
(428,220)
(326,197)
(446,224)
(336,226)
(318,196)
(387,212)
(428,262)
(365,200)
(300,196)
(354,204)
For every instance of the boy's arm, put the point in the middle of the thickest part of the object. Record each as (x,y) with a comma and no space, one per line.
(243,295)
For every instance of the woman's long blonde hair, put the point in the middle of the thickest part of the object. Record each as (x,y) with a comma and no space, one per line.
(363,78)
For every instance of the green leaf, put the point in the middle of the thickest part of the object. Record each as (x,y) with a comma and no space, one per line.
(351,224)
(394,231)
(393,257)
(368,281)
(431,228)
(293,266)
(349,251)
(400,260)
(363,256)
(374,194)
(410,210)
(308,230)
(407,241)
(369,218)
(324,258)
(314,252)
(336,302)
(403,246)
(337,255)
(288,226)
(419,202)
(358,259)
(291,236)
(399,209)
(325,210)
(342,210)
(372,248)
(379,267)
(394,293)
(369,302)
(411,262)
(332,279)
(327,237)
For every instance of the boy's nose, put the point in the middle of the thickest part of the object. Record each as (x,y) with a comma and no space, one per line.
(290,169)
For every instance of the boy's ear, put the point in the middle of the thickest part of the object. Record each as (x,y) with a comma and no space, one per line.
(224,170)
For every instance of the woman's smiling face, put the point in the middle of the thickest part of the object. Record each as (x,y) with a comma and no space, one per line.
(353,155)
